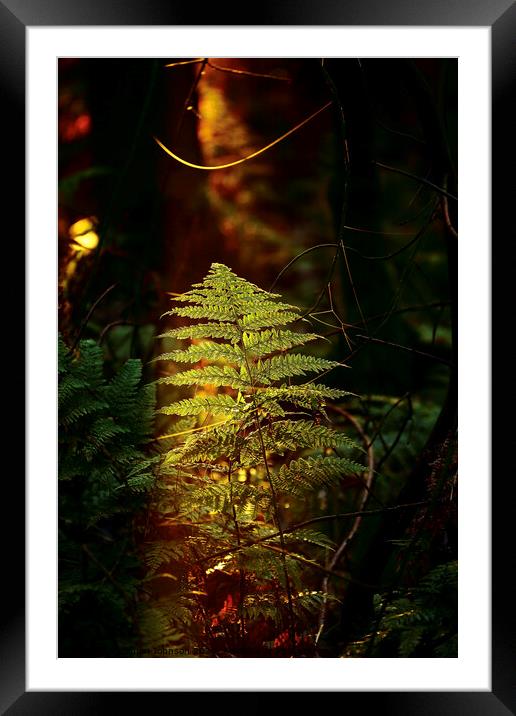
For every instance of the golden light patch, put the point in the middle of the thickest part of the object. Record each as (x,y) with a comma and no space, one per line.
(83,235)
(89,240)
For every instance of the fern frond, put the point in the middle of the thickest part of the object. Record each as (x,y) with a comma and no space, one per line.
(205,351)
(204,330)
(207,445)
(263,343)
(102,432)
(248,500)
(68,388)
(211,375)
(306,473)
(295,434)
(89,364)
(158,630)
(160,553)
(121,391)
(319,539)
(290,365)
(267,606)
(258,320)
(283,436)
(311,395)
(222,482)
(214,404)
(104,477)
(83,406)
(142,423)
(214,312)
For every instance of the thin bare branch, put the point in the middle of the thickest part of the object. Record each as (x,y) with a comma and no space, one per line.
(389,344)
(247,73)
(341,550)
(422,180)
(89,315)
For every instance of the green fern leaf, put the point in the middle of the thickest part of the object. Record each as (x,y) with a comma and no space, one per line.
(311,395)
(205,351)
(214,312)
(215,405)
(290,365)
(204,330)
(262,343)
(258,320)
(306,473)
(211,375)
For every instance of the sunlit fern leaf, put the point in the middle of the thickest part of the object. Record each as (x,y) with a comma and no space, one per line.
(258,320)
(312,537)
(215,311)
(204,330)
(207,445)
(262,343)
(211,375)
(307,473)
(206,352)
(216,405)
(289,435)
(309,395)
(290,365)
(263,607)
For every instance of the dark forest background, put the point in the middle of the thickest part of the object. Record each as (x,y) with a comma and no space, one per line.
(353,218)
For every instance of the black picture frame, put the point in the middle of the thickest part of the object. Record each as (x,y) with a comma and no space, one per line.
(500,15)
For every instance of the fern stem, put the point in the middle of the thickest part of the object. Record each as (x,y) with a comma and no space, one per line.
(291,619)
(239,542)
(284,551)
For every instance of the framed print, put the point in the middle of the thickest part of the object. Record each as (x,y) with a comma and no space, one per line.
(229,225)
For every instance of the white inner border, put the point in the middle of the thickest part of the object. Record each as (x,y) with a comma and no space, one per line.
(471,670)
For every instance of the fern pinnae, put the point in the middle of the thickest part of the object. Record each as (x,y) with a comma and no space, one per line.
(206,351)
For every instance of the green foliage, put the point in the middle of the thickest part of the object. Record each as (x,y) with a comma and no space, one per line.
(301,475)
(255,449)
(105,475)
(419,621)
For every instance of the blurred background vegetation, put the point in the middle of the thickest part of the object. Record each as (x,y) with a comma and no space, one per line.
(353,218)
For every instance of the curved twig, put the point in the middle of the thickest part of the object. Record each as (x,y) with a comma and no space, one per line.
(89,315)
(423,354)
(249,156)
(293,261)
(114,324)
(403,172)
